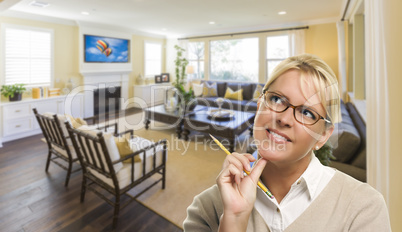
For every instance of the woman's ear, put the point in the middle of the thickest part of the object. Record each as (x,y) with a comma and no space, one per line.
(325,136)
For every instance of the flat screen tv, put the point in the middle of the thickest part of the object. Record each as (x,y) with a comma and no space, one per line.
(101,49)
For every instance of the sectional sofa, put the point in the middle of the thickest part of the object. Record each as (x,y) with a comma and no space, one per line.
(247,104)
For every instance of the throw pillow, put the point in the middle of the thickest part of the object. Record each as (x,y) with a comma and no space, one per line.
(257,92)
(345,140)
(235,95)
(81,121)
(198,89)
(209,90)
(124,149)
(76,122)
(138,143)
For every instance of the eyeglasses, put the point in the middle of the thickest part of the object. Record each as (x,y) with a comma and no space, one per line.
(302,114)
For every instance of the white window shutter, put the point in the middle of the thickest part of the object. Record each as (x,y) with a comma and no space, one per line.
(28,56)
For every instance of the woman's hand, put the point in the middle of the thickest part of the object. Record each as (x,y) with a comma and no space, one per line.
(238,192)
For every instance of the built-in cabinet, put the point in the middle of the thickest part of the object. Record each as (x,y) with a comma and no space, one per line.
(149,95)
(18,121)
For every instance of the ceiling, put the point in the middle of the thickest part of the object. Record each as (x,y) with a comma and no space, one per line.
(181,18)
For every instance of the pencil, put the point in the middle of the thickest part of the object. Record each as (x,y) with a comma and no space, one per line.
(248,173)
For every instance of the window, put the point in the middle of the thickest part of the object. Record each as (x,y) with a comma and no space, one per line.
(28,56)
(196,59)
(153,59)
(235,60)
(277,50)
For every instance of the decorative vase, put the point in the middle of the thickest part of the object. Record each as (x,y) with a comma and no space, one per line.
(219,102)
(140,80)
(171,99)
(17,97)
(69,85)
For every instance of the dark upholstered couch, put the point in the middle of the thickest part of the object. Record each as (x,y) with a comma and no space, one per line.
(246,105)
(349,141)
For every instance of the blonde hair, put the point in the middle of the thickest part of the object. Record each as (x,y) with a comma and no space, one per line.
(322,77)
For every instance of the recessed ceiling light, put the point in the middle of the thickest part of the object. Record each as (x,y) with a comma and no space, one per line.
(212,22)
(39,4)
(85,13)
(281,12)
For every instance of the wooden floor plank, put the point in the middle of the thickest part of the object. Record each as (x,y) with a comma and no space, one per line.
(11,221)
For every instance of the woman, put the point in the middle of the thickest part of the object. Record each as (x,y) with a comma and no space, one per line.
(296,115)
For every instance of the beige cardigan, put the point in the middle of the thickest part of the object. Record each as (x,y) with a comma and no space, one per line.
(345,204)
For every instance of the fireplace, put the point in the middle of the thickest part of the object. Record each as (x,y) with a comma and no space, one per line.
(102,84)
(107,100)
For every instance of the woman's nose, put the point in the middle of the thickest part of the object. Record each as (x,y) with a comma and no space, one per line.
(285,118)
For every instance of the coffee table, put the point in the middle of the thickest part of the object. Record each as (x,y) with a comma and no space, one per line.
(173,118)
(230,128)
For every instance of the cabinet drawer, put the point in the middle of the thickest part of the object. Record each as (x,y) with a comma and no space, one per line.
(17,126)
(16,111)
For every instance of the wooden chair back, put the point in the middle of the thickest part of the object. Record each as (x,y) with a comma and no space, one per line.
(92,151)
(56,137)
(53,132)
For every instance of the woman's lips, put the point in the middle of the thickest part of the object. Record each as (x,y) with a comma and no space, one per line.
(277,136)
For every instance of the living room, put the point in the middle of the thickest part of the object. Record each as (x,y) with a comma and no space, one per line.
(375,93)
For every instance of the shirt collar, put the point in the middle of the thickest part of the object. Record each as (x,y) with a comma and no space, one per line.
(311,176)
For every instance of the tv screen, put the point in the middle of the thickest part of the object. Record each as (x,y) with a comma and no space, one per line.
(100,49)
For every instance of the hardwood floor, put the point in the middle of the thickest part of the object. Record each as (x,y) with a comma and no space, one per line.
(33,200)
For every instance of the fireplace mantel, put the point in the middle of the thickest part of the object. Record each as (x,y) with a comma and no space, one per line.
(111,72)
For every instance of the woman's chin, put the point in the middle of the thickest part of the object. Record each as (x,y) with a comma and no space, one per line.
(270,153)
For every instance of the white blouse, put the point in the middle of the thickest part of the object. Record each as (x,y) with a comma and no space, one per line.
(301,194)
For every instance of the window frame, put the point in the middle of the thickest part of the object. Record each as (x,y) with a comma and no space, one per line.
(4,27)
(275,59)
(145,58)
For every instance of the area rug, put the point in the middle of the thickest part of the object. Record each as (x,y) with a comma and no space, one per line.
(192,166)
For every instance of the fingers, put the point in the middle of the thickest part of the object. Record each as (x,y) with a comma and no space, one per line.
(230,175)
(233,167)
(257,170)
(241,161)
(234,171)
